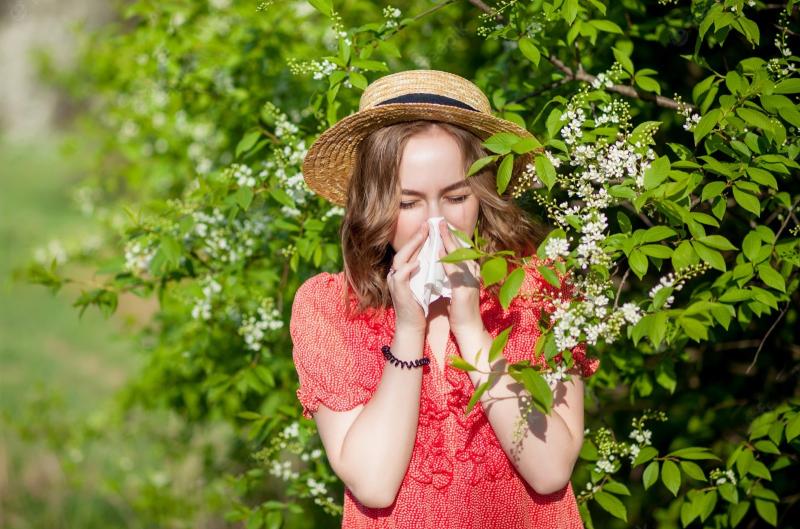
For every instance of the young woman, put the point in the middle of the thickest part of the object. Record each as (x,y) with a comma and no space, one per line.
(392,419)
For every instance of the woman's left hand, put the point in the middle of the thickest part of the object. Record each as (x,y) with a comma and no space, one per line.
(464,311)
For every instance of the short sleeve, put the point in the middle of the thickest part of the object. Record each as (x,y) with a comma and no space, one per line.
(535,297)
(331,365)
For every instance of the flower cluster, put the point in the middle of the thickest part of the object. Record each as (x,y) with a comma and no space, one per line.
(254,328)
(315,485)
(242,174)
(691,118)
(285,163)
(661,293)
(138,255)
(54,250)
(719,476)
(391,14)
(589,319)
(202,306)
(593,165)
(611,453)
(319,69)
(229,241)
(556,247)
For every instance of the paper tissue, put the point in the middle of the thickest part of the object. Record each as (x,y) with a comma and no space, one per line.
(430,282)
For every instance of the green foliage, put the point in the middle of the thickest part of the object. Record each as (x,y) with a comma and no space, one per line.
(200,129)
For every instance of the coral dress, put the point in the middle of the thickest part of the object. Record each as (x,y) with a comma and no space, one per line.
(459,475)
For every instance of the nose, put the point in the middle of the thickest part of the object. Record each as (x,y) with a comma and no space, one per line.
(433,211)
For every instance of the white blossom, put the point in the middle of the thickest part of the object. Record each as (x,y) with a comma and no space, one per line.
(556,247)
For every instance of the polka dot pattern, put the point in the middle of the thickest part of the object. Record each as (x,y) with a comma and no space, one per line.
(459,476)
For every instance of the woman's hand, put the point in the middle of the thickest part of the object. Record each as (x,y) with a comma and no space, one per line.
(408,312)
(464,312)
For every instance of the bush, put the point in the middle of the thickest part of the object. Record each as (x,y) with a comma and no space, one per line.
(668,140)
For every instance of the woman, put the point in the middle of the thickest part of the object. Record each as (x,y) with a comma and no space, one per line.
(395,431)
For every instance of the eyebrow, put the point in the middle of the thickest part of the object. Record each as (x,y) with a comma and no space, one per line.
(451,187)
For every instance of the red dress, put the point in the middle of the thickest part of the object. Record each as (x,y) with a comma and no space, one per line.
(459,476)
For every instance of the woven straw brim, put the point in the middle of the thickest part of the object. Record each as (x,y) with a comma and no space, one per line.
(330,160)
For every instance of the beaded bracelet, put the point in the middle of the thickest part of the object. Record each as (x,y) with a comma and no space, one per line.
(387,353)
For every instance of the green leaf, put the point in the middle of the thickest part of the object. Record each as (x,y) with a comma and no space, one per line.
(358,80)
(706,123)
(656,250)
(607,26)
(787,86)
(612,504)
(549,275)
(511,286)
(754,118)
(768,511)
(712,190)
(623,59)
(657,233)
(738,512)
(648,83)
(751,245)
(504,173)
(460,254)
(323,6)
(498,344)
(693,470)
(545,171)
(645,454)
(480,163)
(694,329)
(525,145)
(717,242)
(247,142)
(638,263)
(650,475)
(771,277)
(665,376)
(538,388)
(671,476)
(459,363)
(684,255)
(616,487)
(494,270)
(693,452)
(529,50)
(728,492)
(657,172)
(710,256)
(501,142)
(762,177)
(793,428)
(476,395)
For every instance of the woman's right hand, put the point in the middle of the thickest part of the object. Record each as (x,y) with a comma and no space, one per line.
(408,311)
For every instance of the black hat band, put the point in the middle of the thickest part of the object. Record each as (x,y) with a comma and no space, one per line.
(428,98)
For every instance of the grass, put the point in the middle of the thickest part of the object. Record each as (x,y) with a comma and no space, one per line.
(46,350)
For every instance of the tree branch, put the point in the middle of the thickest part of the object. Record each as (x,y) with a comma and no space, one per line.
(764,339)
(582,75)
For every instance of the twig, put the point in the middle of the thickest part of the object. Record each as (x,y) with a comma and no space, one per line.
(628,91)
(642,217)
(786,220)
(619,290)
(764,340)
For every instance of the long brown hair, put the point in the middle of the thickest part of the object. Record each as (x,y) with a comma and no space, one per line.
(372,207)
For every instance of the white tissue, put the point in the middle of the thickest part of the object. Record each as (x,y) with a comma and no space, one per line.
(430,282)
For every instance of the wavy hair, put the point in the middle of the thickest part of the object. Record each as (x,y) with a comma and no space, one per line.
(373,205)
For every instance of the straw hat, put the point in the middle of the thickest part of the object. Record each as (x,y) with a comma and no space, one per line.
(403,96)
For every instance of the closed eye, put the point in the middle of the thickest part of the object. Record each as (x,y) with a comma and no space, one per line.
(453,200)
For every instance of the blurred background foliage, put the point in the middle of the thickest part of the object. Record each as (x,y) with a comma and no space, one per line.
(189,122)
